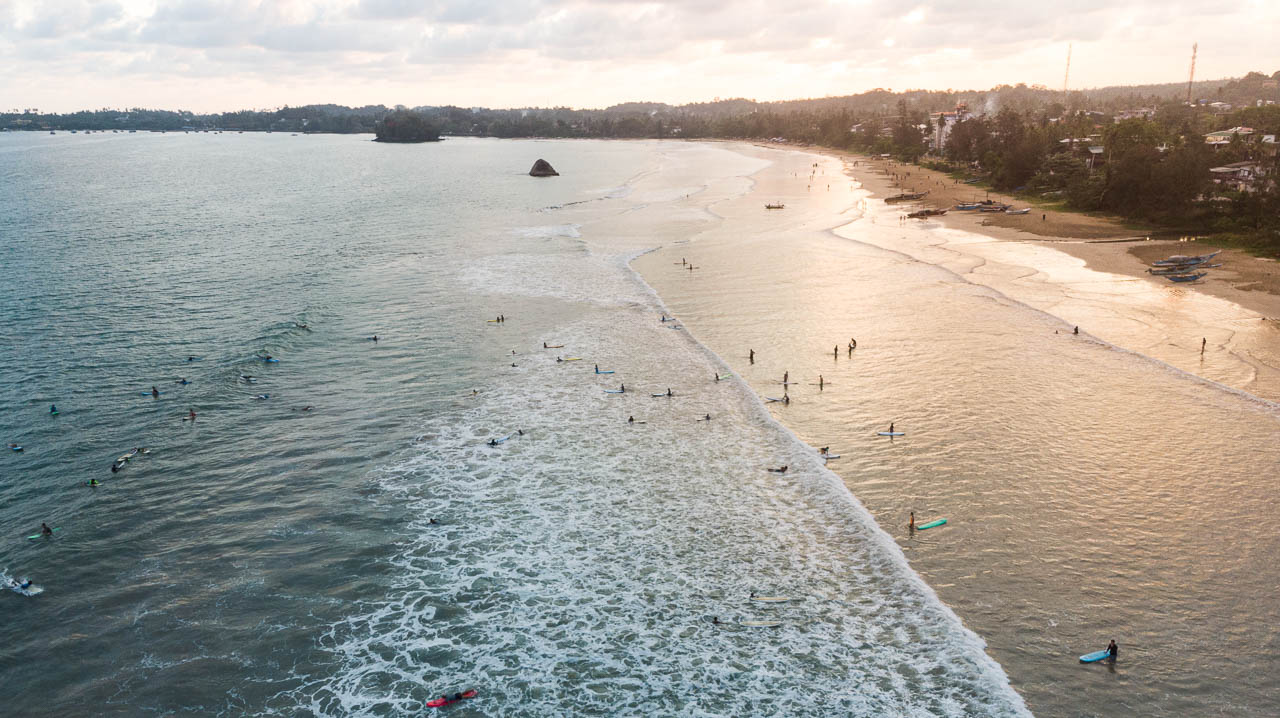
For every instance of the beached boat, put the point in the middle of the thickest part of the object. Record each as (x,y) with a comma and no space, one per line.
(775,206)
(1186,277)
(1184,259)
(921,214)
(906,197)
(968,206)
(1024,210)
(994,208)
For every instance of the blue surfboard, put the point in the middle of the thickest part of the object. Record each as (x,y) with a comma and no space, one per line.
(1094,657)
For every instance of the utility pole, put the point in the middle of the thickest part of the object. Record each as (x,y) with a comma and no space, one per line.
(1194,47)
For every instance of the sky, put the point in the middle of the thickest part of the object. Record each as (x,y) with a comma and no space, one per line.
(220,55)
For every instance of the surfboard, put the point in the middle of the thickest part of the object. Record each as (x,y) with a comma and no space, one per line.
(614,391)
(769,398)
(604,371)
(892,433)
(764,624)
(33,538)
(722,377)
(771,599)
(29,591)
(271,361)
(16,448)
(554,346)
(637,422)
(147,393)
(1094,657)
(492,321)
(499,441)
(931,525)
(573,358)
(662,394)
(830,456)
(444,701)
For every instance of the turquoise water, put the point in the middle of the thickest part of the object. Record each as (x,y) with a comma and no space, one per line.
(277,557)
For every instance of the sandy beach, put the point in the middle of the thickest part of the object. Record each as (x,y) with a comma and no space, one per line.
(1105,244)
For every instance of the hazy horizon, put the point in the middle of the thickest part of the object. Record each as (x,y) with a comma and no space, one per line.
(219,55)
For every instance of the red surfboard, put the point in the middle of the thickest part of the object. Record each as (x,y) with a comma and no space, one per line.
(444,701)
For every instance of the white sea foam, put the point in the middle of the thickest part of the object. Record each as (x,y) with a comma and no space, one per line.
(576,568)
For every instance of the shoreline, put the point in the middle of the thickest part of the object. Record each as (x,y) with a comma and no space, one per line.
(1103,244)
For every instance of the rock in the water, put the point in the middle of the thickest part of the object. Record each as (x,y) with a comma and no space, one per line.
(543,168)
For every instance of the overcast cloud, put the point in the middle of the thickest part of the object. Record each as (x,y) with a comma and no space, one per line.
(209,55)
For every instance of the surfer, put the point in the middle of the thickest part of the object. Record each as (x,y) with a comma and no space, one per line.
(597,368)
(94,482)
(502,317)
(45,530)
(891,427)
(262,396)
(707,417)
(183,381)
(374,338)
(247,377)
(513,363)
(853,343)
(717,376)
(786,376)
(631,420)
(836,352)
(715,620)
(911,522)
(301,326)
(24,585)
(115,466)
(432,521)
(780,470)
(1076,330)
(191,414)
(669,392)
(786,398)
(155,393)
(15,447)
(544,345)
(53,409)
(191,358)
(622,388)
(819,382)
(1112,651)
(493,442)
(1203,342)
(559,360)
(752,356)
(824,450)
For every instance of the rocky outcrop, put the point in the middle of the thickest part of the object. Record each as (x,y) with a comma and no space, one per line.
(543,168)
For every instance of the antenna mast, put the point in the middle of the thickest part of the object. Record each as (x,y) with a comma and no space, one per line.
(1194,47)
(1066,76)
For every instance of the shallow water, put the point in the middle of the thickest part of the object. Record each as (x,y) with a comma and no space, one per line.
(1092,492)
(274,559)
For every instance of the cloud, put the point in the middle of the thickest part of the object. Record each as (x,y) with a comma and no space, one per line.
(587,52)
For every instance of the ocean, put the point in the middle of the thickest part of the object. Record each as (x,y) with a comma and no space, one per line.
(353,544)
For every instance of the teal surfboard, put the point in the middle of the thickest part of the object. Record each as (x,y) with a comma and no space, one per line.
(931,524)
(33,538)
(1094,657)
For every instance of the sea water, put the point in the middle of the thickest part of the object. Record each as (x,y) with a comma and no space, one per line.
(352,544)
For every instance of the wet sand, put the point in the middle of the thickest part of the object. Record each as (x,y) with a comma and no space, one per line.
(1104,243)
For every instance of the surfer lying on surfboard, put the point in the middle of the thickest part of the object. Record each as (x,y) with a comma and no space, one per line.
(780,470)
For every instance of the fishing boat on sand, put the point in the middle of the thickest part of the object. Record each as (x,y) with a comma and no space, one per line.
(966,206)
(906,197)
(921,214)
(1178,259)
(1024,210)
(1187,277)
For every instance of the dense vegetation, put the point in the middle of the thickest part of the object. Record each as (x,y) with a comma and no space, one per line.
(406,126)
(1153,168)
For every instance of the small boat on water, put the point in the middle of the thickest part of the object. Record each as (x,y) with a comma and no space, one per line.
(1024,210)
(1184,259)
(906,197)
(779,205)
(1187,277)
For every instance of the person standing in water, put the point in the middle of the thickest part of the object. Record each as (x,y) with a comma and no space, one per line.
(911,522)
(191,414)
(752,356)
(835,353)
(53,409)
(45,530)
(1076,330)
(631,420)
(891,427)
(1113,651)
(155,393)
(819,382)
(1203,342)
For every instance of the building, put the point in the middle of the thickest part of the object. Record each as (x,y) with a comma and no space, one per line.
(1238,176)
(941,124)
(1224,137)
